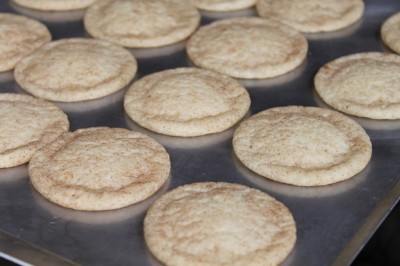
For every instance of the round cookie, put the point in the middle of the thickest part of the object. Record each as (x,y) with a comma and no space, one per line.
(303,146)
(247,48)
(54,5)
(186,102)
(19,36)
(364,84)
(223,5)
(71,70)
(26,125)
(390,32)
(142,23)
(100,168)
(219,224)
(312,15)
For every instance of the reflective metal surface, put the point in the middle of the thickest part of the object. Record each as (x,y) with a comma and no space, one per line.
(333,222)
(24,253)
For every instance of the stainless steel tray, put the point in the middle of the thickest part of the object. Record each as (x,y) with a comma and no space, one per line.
(334,222)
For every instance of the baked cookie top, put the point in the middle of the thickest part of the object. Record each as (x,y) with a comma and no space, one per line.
(100,168)
(363,84)
(303,146)
(247,48)
(71,70)
(186,102)
(26,125)
(219,224)
(19,36)
(142,23)
(312,15)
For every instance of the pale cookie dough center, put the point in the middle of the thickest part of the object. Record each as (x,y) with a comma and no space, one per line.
(73,66)
(299,141)
(160,19)
(214,232)
(184,98)
(20,127)
(100,164)
(371,81)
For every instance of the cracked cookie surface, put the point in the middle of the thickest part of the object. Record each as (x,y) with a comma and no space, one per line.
(219,224)
(304,146)
(186,102)
(26,125)
(99,169)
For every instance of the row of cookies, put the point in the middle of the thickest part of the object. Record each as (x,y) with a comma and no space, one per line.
(104,168)
(60,171)
(86,59)
(157,23)
(304,15)
(163,245)
(242,48)
(79,196)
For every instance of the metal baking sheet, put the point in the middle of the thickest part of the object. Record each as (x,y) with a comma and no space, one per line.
(333,222)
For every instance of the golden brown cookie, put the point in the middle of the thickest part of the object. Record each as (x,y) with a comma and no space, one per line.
(71,70)
(142,23)
(219,224)
(186,102)
(26,125)
(303,146)
(312,15)
(19,36)
(363,84)
(247,48)
(100,168)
